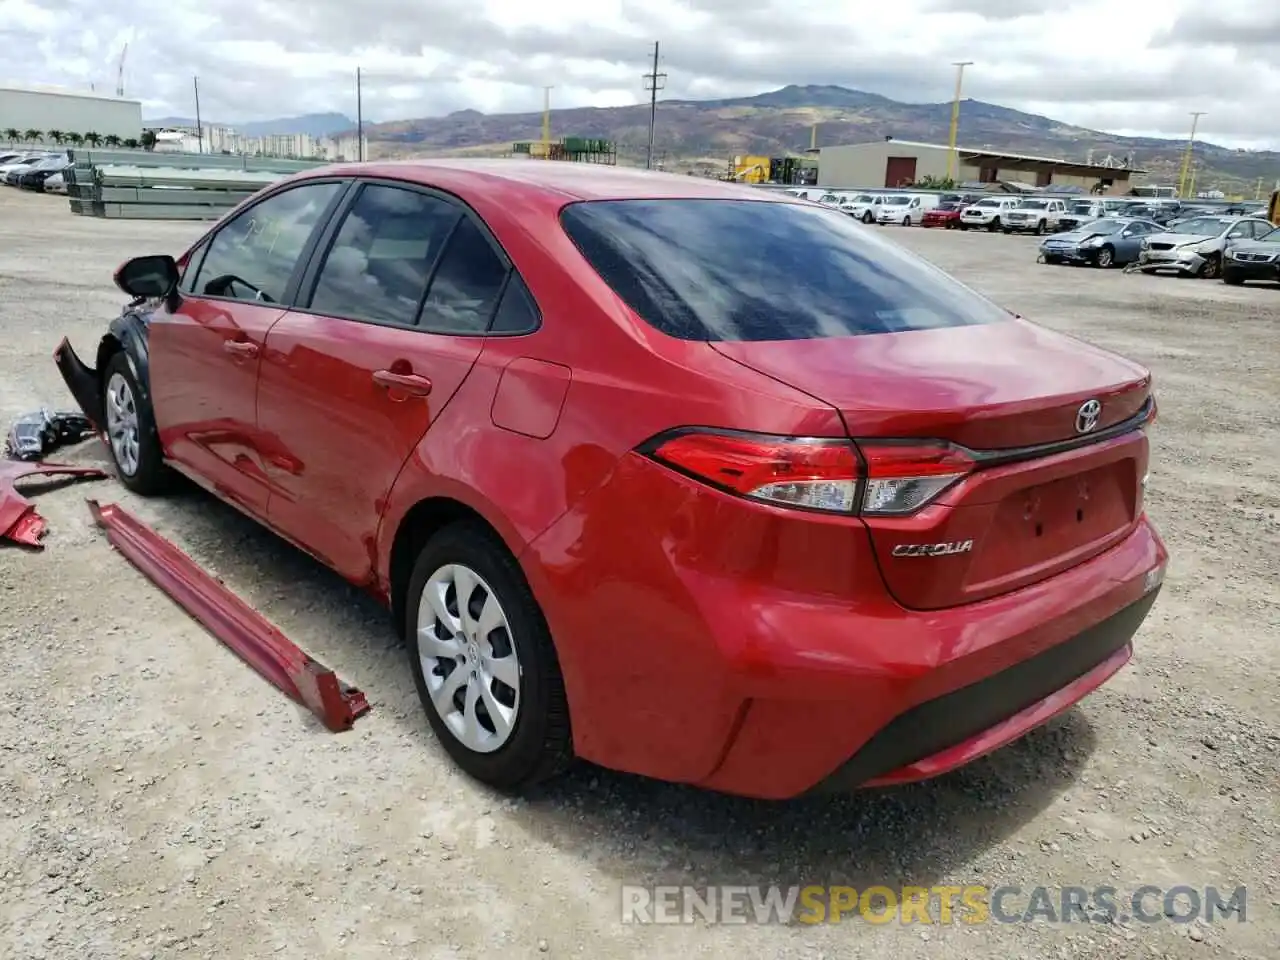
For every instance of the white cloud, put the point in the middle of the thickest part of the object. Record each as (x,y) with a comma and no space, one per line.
(1141,65)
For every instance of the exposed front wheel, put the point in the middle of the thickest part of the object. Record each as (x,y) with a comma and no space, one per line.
(1212,267)
(483,661)
(1106,257)
(132,437)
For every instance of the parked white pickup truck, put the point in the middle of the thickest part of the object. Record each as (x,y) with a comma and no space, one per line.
(864,206)
(986,214)
(1038,215)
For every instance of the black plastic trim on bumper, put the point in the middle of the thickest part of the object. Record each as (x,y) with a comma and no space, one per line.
(953,718)
(82,381)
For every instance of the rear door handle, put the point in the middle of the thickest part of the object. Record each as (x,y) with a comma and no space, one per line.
(240,348)
(409,383)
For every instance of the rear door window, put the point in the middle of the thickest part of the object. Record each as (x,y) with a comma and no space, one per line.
(379,264)
(735,270)
(466,286)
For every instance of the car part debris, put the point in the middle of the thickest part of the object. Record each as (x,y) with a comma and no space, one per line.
(258,642)
(34,436)
(19,521)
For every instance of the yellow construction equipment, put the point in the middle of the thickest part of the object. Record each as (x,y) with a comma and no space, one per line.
(1273,211)
(751,169)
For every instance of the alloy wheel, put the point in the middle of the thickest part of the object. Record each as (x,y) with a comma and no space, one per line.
(468,659)
(122,425)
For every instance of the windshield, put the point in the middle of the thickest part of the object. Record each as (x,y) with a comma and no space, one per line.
(987,203)
(949,206)
(1081,207)
(1033,204)
(1201,226)
(1103,226)
(756,270)
(897,201)
(864,198)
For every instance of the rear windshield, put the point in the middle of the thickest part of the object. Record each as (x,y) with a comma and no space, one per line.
(756,270)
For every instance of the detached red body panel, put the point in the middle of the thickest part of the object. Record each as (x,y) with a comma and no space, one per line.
(19,521)
(232,620)
(800,512)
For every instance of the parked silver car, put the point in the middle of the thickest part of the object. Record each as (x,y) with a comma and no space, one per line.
(1194,247)
(1108,242)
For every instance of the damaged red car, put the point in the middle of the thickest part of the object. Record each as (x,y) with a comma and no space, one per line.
(682,478)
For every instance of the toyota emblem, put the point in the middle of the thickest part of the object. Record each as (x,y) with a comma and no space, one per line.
(1087,416)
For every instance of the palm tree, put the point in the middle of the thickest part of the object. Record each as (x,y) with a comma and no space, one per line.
(148,139)
(132,144)
(57,136)
(12,134)
(75,139)
(93,138)
(111,140)
(31,136)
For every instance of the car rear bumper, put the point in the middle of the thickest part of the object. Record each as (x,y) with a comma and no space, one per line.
(768,660)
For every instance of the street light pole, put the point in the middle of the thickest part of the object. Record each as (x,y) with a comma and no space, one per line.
(1186,159)
(955,118)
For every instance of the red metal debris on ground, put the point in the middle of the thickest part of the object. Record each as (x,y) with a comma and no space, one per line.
(19,521)
(258,642)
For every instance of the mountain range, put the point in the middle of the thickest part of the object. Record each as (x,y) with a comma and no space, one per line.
(706,134)
(703,135)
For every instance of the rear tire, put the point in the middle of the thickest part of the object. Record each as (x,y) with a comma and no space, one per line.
(132,438)
(511,669)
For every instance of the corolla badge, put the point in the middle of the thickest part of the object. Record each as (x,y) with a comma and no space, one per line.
(1088,415)
(932,549)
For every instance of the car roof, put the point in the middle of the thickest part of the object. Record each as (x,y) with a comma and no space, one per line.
(553,178)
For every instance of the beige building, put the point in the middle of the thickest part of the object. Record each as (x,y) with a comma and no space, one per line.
(896,163)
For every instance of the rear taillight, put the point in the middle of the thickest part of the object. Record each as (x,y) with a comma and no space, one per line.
(905,475)
(873,478)
(810,473)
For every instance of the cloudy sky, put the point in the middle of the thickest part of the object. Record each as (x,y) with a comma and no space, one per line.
(1137,66)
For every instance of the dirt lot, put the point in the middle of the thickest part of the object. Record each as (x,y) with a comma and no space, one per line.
(158,799)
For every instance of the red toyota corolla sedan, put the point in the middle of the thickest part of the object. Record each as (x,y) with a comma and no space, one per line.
(683,478)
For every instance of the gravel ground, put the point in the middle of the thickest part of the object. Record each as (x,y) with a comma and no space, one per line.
(158,799)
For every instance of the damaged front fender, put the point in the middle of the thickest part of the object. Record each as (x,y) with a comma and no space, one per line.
(127,332)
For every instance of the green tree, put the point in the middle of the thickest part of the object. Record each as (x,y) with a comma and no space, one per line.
(12,134)
(57,136)
(132,144)
(93,138)
(148,139)
(75,139)
(31,136)
(111,140)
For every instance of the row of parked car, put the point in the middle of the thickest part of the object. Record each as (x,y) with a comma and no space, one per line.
(34,170)
(1236,249)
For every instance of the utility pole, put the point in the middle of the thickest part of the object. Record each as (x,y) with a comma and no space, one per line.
(653,82)
(1186,160)
(546,122)
(195,84)
(955,119)
(359,119)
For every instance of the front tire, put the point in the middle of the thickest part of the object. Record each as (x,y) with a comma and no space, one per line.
(867,217)
(994,225)
(1105,259)
(1234,279)
(1212,267)
(132,437)
(906,221)
(483,661)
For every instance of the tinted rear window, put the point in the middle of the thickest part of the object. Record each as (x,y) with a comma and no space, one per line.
(755,270)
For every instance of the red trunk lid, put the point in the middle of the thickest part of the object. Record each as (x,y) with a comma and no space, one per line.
(1001,386)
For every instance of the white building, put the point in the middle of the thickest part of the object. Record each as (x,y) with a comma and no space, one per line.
(68,111)
(225,140)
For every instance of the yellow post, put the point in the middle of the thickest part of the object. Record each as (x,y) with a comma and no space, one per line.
(546,121)
(1186,159)
(813,139)
(955,119)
